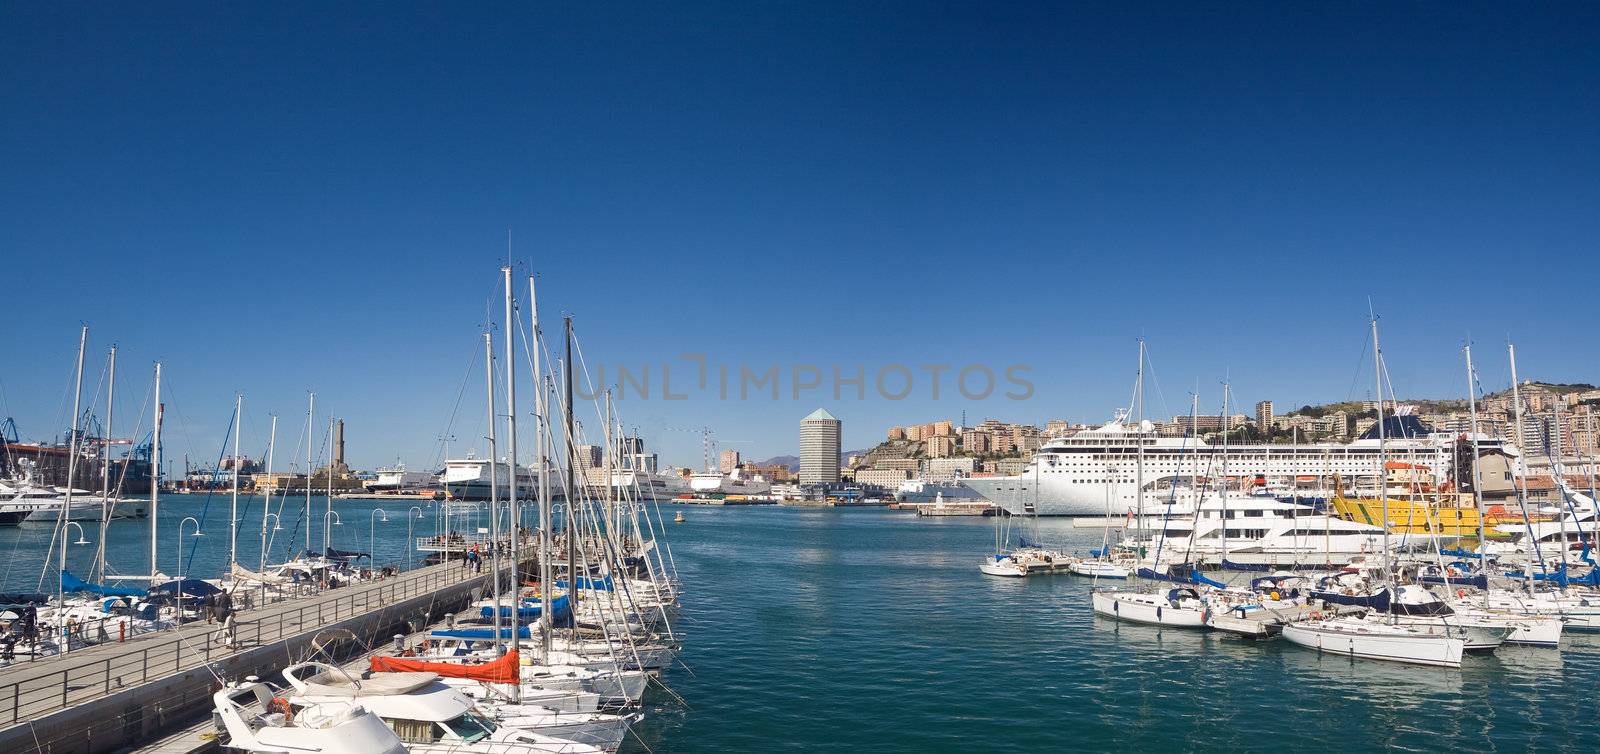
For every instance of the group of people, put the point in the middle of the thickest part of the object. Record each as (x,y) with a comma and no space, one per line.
(218,608)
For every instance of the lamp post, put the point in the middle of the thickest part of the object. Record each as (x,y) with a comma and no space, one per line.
(81,540)
(372,536)
(277,525)
(410,543)
(326,535)
(179,585)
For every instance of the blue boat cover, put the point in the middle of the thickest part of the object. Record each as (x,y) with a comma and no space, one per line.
(1456,552)
(71,583)
(589,582)
(190,587)
(529,610)
(1379,601)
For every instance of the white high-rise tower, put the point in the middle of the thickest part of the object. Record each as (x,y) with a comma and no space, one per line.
(819,448)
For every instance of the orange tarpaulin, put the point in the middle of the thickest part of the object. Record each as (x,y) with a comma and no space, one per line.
(502,670)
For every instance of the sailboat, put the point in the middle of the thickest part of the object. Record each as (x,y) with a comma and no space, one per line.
(1379,637)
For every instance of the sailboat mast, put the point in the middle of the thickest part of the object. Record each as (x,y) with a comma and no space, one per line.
(1227,425)
(511,442)
(311,411)
(327,529)
(66,500)
(1138,437)
(105,465)
(541,406)
(155,472)
(1522,467)
(572,482)
(1477,478)
(233,510)
(494,489)
(272,444)
(1383,461)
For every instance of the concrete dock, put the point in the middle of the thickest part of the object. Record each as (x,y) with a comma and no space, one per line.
(120,695)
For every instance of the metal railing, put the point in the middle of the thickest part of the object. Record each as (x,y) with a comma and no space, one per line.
(85,674)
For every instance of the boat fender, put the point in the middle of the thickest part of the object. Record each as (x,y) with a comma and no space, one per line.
(1461,593)
(282,705)
(1316,615)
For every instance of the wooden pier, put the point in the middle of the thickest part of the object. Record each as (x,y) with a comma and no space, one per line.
(116,696)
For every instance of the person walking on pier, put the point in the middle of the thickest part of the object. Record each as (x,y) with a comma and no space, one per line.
(222,611)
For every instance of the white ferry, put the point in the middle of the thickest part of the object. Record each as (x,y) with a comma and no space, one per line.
(468,479)
(1094,472)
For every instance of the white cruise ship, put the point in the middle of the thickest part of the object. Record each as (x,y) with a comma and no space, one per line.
(1093,472)
(468,479)
(732,483)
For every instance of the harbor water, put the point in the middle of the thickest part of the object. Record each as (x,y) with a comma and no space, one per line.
(870,630)
(813,630)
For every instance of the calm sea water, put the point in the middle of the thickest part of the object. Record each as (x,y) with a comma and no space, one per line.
(867,630)
(814,630)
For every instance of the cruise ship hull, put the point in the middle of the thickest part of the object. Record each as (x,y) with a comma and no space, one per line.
(1097,472)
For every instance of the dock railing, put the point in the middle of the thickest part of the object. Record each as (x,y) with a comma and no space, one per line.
(34,689)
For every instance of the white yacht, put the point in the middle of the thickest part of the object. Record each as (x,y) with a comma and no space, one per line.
(255,721)
(430,717)
(1374,638)
(1264,531)
(1068,476)
(1181,606)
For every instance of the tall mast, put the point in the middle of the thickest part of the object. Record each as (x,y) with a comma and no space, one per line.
(572,488)
(1477,478)
(105,466)
(66,500)
(541,410)
(494,488)
(311,411)
(1138,437)
(511,443)
(272,444)
(155,472)
(233,511)
(1522,466)
(1227,426)
(1383,461)
(327,528)
(607,470)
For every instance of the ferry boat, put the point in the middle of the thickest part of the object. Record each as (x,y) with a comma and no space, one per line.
(468,479)
(1069,476)
(397,479)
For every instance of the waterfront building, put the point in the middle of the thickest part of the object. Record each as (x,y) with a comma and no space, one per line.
(888,478)
(728,461)
(1264,415)
(947,469)
(820,441)
(590,456)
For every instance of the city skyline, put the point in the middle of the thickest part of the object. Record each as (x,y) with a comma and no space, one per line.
(257,204)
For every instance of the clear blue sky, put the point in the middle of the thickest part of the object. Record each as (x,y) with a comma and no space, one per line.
(279,197)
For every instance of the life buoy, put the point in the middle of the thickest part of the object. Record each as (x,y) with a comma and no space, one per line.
(282,705)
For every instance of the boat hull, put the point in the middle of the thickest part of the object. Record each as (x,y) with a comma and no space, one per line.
(1126,607)
(1418,648)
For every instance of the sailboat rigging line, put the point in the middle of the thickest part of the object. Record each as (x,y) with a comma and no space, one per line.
(455,410)
(210,491)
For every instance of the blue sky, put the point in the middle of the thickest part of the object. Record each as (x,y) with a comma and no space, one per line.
(289,197)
